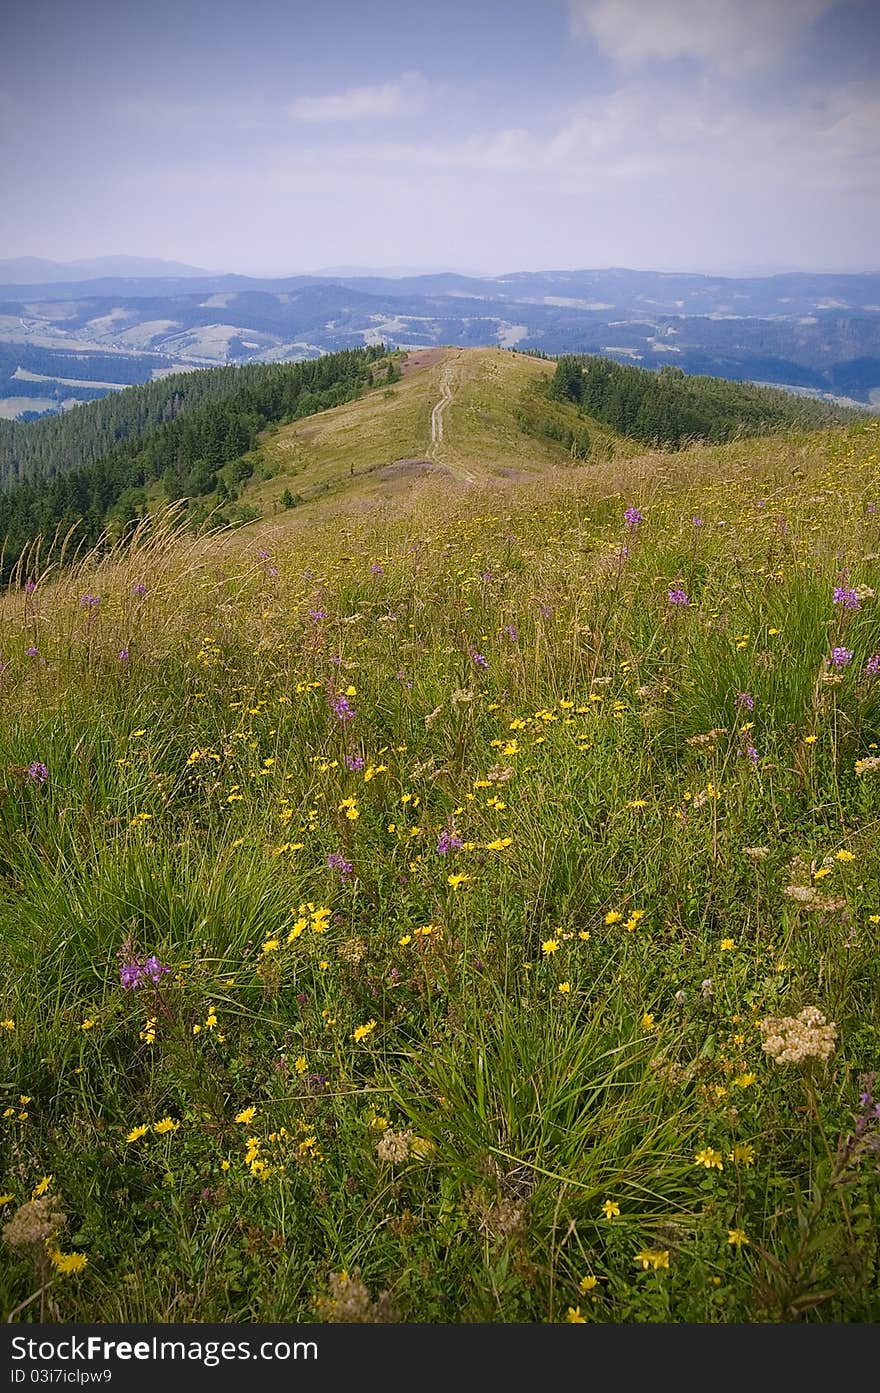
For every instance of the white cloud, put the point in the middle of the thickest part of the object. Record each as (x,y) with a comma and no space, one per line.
(399,97)
(725,34)
(645,129)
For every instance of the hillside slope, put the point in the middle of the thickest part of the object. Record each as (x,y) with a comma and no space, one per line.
(468,414)
(463,910)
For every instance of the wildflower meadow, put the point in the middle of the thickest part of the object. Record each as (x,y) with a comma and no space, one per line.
(463,908)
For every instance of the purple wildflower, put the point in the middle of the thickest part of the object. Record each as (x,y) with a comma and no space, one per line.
(678,597)
(545,611)
(339,863)
(632,517)
(139,589)
(697,522)
(873,666)
(89,601)
(745,701)
(510,632)
(841,656)
(847,597)
(130,973)
(154,969)
(134,971)
(29,587)
(262,554)
(32,652)
(376,569)
(317,614)
(38,772)
(354,763)
(479,660)
(448,841)
(123,655)
(341,708)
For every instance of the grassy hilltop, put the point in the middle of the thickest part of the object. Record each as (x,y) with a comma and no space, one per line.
(410,903)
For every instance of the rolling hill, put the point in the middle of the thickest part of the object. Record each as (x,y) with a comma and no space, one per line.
(471,415)
(233,444)
(813,333)
(461,909)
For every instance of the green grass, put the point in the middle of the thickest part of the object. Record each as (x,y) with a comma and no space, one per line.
(474,1056)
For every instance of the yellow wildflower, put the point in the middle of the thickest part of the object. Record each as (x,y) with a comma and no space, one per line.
(67,1263)
(742,1154)
(710,1158)
(652,1258)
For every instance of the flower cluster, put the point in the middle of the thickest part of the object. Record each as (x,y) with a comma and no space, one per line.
(845,596)
(135,971)
(792,1039)
(341,708)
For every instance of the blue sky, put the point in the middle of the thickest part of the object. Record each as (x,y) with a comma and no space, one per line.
(275,136)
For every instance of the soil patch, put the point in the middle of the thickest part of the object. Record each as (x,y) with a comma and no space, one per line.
(422,358)
(414,468)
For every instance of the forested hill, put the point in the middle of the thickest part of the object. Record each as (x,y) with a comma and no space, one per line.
(91,466)
(273,392)
(670,408)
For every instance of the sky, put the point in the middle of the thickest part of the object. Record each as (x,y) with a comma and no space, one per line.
(275,137)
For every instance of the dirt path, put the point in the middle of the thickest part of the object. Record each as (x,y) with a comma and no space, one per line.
(433,452)
(437,413)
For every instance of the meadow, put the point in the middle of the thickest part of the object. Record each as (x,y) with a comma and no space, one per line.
(458,908)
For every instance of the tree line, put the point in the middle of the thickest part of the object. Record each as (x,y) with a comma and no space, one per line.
(91,468)
(669,408)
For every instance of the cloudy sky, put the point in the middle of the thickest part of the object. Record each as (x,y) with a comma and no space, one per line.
(274,136)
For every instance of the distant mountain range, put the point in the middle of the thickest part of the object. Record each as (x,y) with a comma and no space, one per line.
(62,341)
(34,270)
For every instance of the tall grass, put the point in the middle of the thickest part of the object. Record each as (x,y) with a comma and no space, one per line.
(594,839)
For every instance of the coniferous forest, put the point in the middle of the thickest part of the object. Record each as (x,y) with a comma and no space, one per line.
(670,408)
(90,468)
